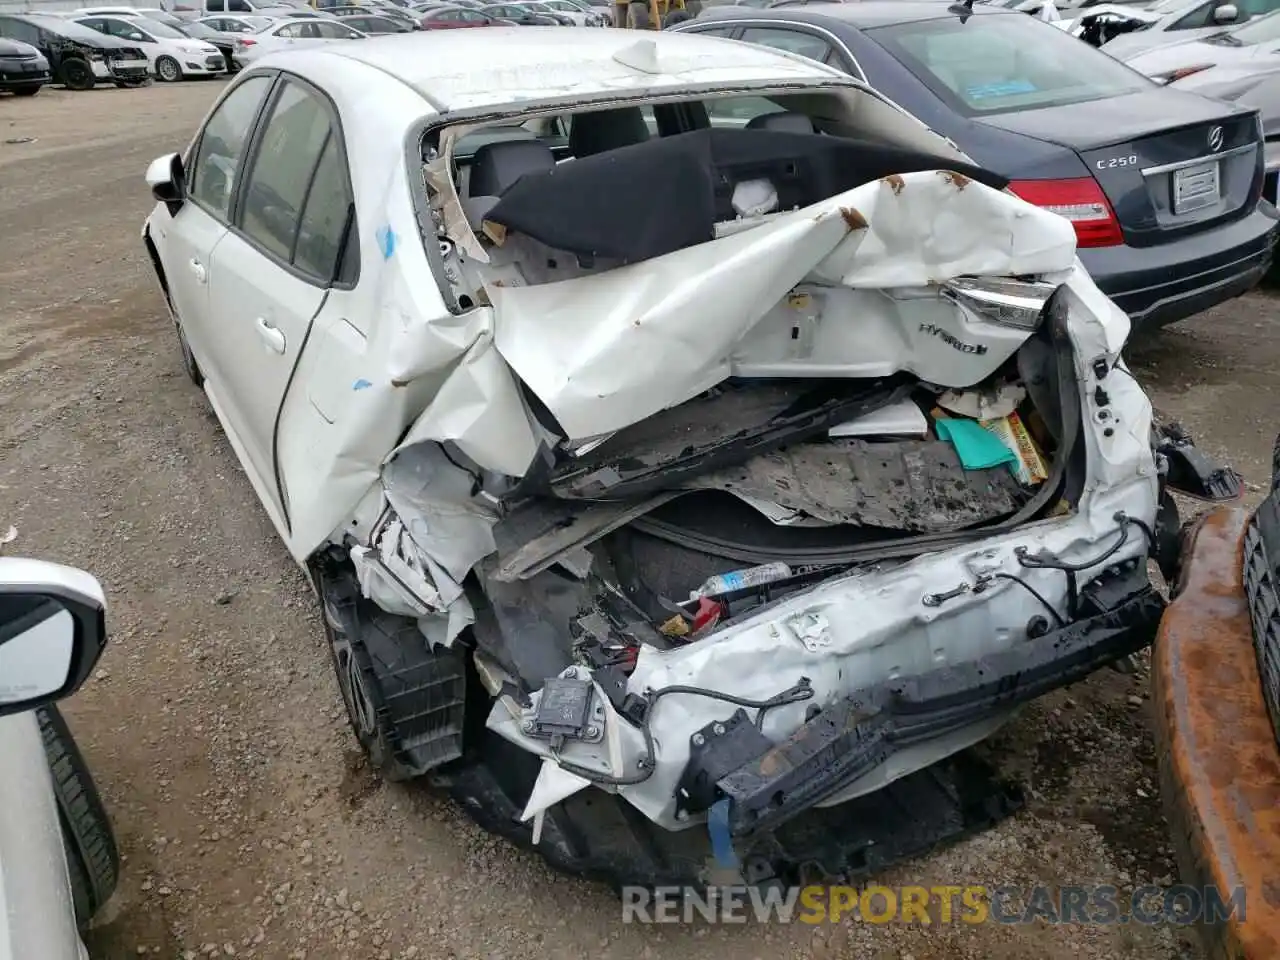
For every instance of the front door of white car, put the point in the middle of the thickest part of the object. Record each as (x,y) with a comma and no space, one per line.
(269,277)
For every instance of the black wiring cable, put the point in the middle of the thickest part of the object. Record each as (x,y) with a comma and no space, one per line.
(1057,617)
(1053,563)
(801,691)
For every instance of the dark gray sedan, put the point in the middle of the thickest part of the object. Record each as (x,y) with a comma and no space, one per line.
(1162,186)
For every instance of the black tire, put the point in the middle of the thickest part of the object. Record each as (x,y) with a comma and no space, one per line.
(405,700)
(638,16)
(25,91)
(189,363)
(93,861)
(76,74)
(168,70)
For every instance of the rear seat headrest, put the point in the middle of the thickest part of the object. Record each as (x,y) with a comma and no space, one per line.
(786,121)
(496,166)
(601,130)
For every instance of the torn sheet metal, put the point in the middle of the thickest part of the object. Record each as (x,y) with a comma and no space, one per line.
(553,785)
(607,350)
(480,410)
(438,532)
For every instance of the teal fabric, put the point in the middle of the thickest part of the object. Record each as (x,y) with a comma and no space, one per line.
(977,448)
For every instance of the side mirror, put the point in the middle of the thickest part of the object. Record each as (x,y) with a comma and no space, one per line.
(1226,13)
(167,181)
(52,631)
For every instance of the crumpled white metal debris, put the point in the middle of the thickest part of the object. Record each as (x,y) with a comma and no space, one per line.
(610,349)
(607,350)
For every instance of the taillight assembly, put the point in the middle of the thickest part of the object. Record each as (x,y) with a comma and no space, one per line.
(1081,201)
(245,42)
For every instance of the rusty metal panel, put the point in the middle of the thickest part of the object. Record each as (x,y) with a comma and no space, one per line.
(1220,765)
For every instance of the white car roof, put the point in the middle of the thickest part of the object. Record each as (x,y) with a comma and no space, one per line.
(460,69)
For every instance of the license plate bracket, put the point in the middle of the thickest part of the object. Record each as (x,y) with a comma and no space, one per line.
(1196,187)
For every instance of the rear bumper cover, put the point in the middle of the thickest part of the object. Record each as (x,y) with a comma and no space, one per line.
(1170,282)
(1120,611)
(1219,763)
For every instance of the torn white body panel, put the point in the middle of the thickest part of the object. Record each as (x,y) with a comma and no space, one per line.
(873,626)
(607,350)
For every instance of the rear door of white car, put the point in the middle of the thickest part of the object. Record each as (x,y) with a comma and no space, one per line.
(186,241)
(273,270)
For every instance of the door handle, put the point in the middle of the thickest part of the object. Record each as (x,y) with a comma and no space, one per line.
(271,335)
(198,269)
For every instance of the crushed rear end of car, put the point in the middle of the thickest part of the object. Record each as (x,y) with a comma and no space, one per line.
(751,499)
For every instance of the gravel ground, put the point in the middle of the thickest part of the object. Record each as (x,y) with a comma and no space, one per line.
(249,823)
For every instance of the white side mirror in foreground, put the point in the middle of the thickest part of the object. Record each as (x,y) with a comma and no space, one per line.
(52,631)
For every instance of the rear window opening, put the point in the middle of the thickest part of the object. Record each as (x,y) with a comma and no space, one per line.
(557,197)
(999,64)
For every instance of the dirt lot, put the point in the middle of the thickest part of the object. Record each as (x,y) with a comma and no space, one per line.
(214,726)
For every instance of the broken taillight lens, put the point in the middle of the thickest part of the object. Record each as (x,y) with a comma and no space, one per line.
(1081,201)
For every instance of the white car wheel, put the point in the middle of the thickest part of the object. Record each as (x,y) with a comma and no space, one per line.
(167,69)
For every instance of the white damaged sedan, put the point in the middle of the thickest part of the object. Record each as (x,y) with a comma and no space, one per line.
(675,431)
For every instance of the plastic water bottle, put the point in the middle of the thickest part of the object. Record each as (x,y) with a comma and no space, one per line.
(742,579)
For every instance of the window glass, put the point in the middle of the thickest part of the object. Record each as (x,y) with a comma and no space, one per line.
(214,6)
(1004,63)
(334,31)
(158,29)
(239,6)
(126,31)
(291,31)
(17,30)
(1201,16)
(287,152)
(320,229)
(736,111)
(1264,30)
(714,32)
(212,180)
(792,41)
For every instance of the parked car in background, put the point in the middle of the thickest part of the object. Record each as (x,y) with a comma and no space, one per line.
(343,12)
(171,54)
(231,26)
(1162,186)
(1247,50)
(57,850)
(195,9)
(520,494)
(78,57)
(291,33)
(225,44)
(454,18)
(373,24)
(578,16)
(1261,91)
(538,6)
(151,13)
(519,14)
(1178,20)
(23,68)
